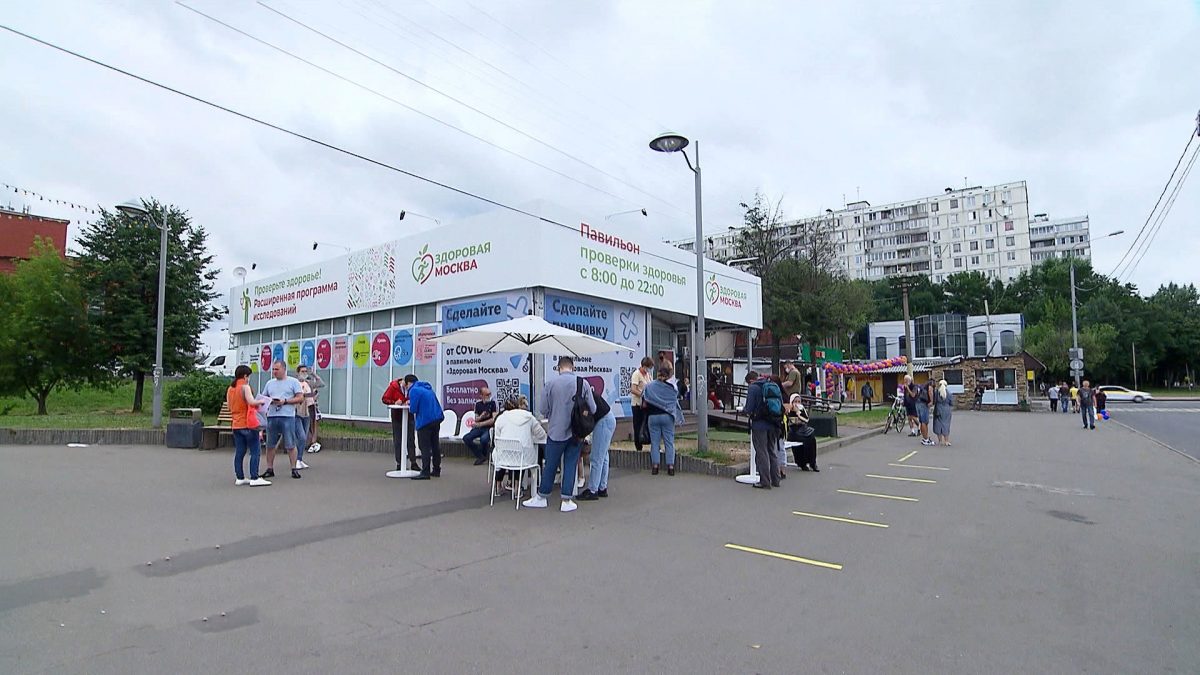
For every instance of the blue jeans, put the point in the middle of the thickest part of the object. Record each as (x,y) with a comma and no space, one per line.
(245,440)
(477,441)
(301,436)
(566,453)
(1066,404)
(602,437)
(662,430)
(281,428)
(1089,415)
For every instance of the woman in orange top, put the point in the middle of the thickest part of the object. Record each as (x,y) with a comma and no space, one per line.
(244,409)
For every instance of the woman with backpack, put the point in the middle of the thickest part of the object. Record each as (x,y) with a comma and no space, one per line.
(662,415)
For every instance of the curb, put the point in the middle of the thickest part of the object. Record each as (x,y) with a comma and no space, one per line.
(87,436)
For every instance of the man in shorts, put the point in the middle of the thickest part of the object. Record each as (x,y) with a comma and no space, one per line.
(284,393)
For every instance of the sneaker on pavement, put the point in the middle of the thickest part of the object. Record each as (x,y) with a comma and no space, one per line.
(269,473)
(587,496)
(535,502)
(241,481)
(301,465)
(568,506)
(603,493)
(259,481)
(295,473)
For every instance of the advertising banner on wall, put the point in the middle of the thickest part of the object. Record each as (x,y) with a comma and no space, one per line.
(500,249)
(623,324)
(465,370)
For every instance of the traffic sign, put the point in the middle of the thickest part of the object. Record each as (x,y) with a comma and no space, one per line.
(1075,352)
(1076,373)
(1076,364)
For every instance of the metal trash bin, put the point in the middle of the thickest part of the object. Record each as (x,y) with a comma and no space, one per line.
(823,424)
(184,428)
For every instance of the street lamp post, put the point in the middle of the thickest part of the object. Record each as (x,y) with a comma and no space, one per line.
(1074,317)
(670,142)
(625,213)
(137,209)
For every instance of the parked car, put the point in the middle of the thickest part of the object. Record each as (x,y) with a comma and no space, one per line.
(221,363)
(1118,393)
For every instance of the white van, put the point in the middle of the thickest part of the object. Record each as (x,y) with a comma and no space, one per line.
(221,363)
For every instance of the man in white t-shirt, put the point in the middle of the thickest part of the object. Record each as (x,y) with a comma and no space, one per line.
(285,393)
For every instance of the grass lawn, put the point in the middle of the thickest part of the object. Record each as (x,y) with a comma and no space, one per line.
(861,419)
(84,409)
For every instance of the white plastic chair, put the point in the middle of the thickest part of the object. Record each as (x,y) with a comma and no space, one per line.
(510,454)
(466,424)
(449,425)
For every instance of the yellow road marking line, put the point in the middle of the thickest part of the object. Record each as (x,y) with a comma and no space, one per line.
(784,556)
(840,520)
(918,466)
(907,456)
(910,480)
(872,494)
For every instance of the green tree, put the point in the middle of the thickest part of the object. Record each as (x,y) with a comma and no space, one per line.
(760,241)
(118,266)
(46,339)
(965,293)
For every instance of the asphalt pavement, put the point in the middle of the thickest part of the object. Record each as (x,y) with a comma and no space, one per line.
(1031,545)
(1172,423)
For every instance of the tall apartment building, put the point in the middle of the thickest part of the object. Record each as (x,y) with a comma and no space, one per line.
(983,229)
(1059,238)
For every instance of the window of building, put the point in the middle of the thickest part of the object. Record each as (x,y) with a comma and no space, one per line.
(953,376)
(1008,342)
(980,339)
(957,248)
(953,218)
(1007,210)
(1010,241)
(903,346)
(956,233)
(990,243)
(972,230)
(339,326)
(974,260)
(933,207)
(971,200)
(362,322)
(402,316)
(974,246)
(308,330)
(1001,378)
(958,262)
(954,203)
(881,348)
(1006,195)
(973,215)
(1008,226)
(937,264)
(857,220)
(427,313)
(323,327)
(1012,255)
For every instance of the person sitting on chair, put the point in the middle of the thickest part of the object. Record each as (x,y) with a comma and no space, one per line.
(798,431)
(516,423)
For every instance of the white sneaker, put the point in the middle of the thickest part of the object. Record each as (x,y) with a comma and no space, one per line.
(241,481)
(579,483)
(258,481)
(301,465)
(568,506)
(535,502)
(315,447)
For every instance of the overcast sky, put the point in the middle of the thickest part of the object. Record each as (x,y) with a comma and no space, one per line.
(1090,102)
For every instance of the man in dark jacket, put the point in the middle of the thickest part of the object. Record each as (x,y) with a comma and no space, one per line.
(764,431)
(868,393)
(428,415)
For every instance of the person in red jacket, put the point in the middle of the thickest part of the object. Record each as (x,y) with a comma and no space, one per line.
(397,394)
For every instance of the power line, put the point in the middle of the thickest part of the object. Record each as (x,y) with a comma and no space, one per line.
(329,146)
(460,102)
(1162,216)
(549,103)
(380,94)
(1156,203)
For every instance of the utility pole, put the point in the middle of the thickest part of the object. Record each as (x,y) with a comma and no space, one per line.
(905,285)
(1134,345)
(1074,320)
(988,313)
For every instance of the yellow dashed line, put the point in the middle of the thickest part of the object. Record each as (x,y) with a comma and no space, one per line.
(784,556)
(838,519)
(918,466)
(872,494)
(904,458)
(908,480)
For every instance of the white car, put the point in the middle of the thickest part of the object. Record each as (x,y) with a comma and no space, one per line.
(1116,393)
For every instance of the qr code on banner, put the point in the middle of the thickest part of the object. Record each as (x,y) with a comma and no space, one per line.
(625,380)
(507,388)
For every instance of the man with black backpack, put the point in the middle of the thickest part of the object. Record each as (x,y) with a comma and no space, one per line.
(570,407)
(764,407)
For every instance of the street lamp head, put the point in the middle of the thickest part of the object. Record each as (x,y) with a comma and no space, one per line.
(669,142)
(402,214)
(1113,234)
(644,213)
(315,245)
(133,208)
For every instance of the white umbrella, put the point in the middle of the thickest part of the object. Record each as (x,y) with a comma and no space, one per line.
(531,335)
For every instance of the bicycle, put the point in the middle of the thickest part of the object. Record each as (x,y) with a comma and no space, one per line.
(897,418)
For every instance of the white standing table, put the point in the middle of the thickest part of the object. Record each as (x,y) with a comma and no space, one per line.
(403,473)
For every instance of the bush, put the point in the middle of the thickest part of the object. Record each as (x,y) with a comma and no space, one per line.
(198,390)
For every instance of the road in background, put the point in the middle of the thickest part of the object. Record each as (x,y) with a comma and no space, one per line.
(1174,423)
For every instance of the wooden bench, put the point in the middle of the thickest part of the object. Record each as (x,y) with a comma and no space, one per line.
(210,437)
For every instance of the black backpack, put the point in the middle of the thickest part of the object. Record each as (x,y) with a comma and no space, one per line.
(582,418)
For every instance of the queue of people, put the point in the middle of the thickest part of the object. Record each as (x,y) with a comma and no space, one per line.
(928,407)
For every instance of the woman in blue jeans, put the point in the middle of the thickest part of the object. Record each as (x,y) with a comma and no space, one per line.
(243,410)
(661,402)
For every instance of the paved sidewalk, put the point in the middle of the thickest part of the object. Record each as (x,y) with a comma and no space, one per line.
(1033,547)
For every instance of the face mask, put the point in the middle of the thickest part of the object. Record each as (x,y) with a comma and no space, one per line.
(302,376)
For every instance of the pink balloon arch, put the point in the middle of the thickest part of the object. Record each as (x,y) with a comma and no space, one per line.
(869,367)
